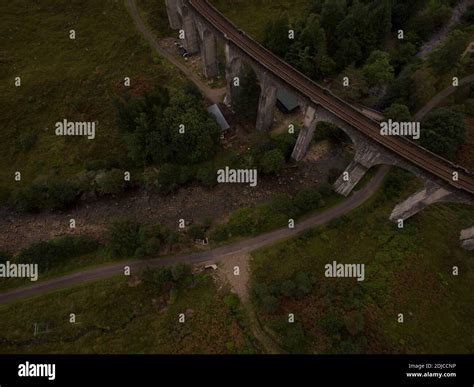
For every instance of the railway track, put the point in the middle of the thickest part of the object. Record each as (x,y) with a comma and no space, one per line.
(408,150)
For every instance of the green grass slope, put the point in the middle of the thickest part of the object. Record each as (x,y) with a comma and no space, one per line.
(64,78)
(407,271)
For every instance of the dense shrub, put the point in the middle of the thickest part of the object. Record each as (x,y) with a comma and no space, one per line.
(168,178)
(445,57)
(58,194)
(272,162)
(165,277)
(156,279)
(289,288)
(74,246)
(150,238)
(179,271)
(110,182)
(207,176)
(25,199)
(292,335)
(331,323)
(197,231)
(263,297)
(265,218)
(308,200)
(126,238)
(395,183)
(258,291)
(191,89)
(220,233)
(123,238)
(232,302)
(150,178)
(241,222)
(429,20)
(50,254)
(284,204)
(186,175)
(285,142)
(49,193)
(153,126)
(444,131)
(397,112)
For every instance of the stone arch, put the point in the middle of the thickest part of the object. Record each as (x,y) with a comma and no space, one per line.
(241,67)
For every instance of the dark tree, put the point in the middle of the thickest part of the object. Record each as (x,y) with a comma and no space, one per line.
(444,131)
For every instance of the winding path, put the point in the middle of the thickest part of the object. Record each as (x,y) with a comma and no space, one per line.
(438,37)
(438,98)
(214,95)
(243,246)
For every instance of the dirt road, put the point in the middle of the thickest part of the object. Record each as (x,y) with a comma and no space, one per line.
(438,98)
(438,37)
(243,246)
(214,95)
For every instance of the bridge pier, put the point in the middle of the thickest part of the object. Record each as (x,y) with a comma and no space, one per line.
(366,157)
(233,70)
(210,61)
(467,239)
(172,8)
(431,193)
(306,134)
(191,37)
(267,101)
(349,178)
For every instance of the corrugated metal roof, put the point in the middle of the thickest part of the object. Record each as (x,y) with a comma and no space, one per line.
(216,112)
(287,99)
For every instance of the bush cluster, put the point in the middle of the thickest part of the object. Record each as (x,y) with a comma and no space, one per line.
(55,194)
(127,238)
(166,277)
(53,253)
(268,296)
(267,216)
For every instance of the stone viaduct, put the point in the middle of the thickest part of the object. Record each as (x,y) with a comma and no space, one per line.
(201,36)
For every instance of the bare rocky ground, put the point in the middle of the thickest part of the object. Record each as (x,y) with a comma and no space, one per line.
(436,39)
(193,203)
(239,285)
(226,273)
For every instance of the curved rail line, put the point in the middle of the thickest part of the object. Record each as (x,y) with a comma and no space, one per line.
(408,150)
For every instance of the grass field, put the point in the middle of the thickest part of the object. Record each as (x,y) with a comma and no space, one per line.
(63,78)
(408,271)
(253,15)
(114,316)
(154,14)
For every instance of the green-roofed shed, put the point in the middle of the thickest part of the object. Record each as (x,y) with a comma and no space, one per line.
(286,101)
